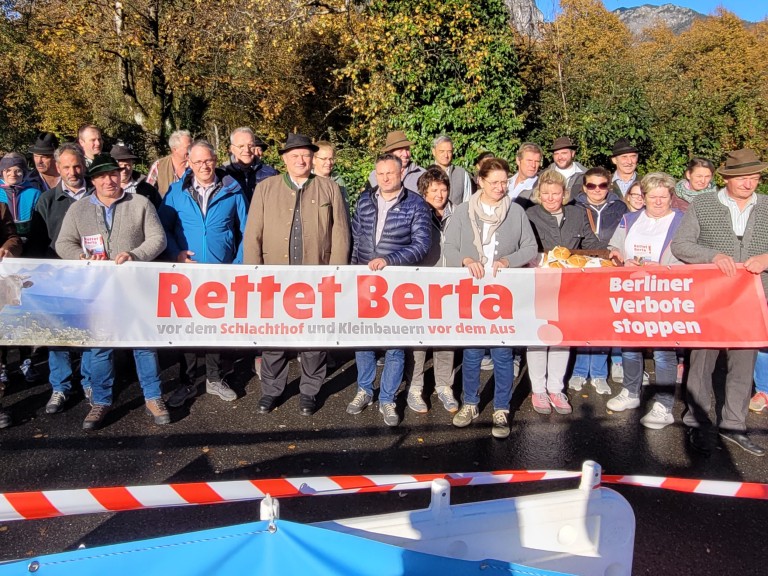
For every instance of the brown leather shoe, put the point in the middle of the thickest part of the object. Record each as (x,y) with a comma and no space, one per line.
(158,411)
(95,417)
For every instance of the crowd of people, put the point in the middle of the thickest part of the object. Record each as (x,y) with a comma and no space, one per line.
(78,202)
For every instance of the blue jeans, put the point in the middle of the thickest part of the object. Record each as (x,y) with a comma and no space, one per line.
(761,371)
(666,373)
(391,376)
(591,363)
(503,376)
(102,367)
(60,366)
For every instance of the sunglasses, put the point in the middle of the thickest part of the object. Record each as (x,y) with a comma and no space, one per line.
(591,186)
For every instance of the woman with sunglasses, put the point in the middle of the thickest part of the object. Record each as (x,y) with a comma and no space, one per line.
(604,210)
(642,239)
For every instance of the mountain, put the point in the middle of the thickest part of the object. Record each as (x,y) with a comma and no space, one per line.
(677,18)
(525,16)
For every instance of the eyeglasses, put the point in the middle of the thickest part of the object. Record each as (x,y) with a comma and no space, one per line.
(502,183)
(592,186)
(209,162)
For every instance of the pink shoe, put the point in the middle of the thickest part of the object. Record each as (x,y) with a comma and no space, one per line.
(560,403)
(540,403)
(759,402)
(680,373)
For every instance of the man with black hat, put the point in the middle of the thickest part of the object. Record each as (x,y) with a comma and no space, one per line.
(398,145)
(245,163)
(724,228)
(122,227)
(204,215)
(624,156)
(45,175)
(133,182)
(298,218)
(563,154)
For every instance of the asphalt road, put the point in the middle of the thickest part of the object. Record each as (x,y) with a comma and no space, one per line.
(211,440)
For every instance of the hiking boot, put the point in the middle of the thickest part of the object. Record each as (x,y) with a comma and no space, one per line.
(617,372)
(359,402)
(95,417)
(28,371)
(465,416)
(622,402)
(56,402)
(156,408)
(576,383)
(658,417)
(500,424)
(221,389)
(445,395)
(601,385)
(182,393)
(486,363)
(389,410)
(416,402)
(5,419)
(540,403)
(560,403)
(759,402)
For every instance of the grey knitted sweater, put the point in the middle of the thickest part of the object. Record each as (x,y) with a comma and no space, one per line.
(706,230)
(135,229)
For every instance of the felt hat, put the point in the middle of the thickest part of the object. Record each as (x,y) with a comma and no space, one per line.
(257,141)
(101,164)
(297,141)
(623,146)
(45,144)
(395,140)
(742,163)
(562,142)
(121,152)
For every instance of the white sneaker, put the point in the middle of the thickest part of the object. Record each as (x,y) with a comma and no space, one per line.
(601,385)
(646,378)
(659,417)
(576,383)
(617,372)
(622,402)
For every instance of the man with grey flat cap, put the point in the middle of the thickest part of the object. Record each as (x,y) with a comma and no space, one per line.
(397,144)
(726,227)
(297,218)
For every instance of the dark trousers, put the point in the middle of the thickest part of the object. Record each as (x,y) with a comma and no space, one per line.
(738,388)
(274,372)
(212,365)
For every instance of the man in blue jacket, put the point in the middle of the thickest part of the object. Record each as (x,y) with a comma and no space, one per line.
(204,215)
(391,227)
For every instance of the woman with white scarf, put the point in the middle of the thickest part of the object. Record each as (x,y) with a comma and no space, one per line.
(486,234)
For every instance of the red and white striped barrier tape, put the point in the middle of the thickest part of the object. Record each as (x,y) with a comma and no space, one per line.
(51,503)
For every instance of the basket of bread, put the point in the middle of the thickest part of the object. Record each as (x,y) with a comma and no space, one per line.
(561,257)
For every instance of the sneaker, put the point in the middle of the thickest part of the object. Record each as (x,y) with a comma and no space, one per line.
(158,411)
(516,366)
(416,402)
(622,402)
(389,410)
(486,363)
(359,402)
(28,371)
(5,419)
(182,393)
(257,366)
(221,389)
(759,402)
(500,424)
(680,373)
(646,379)
(56,402)
(380,361)
(95,417)
(659,417)
(601,385)
(576,383)
(541,403)
(560,403)
(617,372)
(465,416)
(3,374)
(445,395)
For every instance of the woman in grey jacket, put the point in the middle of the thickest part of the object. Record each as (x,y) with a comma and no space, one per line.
(486,234)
